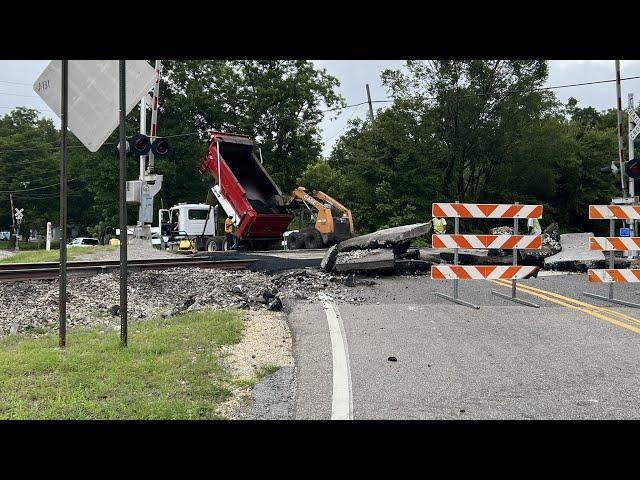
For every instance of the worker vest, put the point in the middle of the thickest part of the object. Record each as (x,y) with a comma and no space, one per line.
(228,226)
(439,225)
(537,229)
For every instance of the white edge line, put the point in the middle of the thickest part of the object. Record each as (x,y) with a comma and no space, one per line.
(342,398)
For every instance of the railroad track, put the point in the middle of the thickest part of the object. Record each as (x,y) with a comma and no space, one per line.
(14,272)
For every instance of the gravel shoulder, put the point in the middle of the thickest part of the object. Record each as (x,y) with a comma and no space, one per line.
(265,347)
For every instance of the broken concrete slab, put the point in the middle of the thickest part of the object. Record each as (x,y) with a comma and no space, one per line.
(575,254)
(412,267)
(329,259)
(365,260)
(430,255)
(475,257)
(396,237)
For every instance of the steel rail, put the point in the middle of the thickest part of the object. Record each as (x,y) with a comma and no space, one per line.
(50,271)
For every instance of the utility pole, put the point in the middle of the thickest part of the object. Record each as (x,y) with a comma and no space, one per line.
(13,223)
(62,277)
(370,105)
(123,207)
(620,144)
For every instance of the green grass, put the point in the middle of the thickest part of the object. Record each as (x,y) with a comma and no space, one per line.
(38,256)
(6,245)
(170,370)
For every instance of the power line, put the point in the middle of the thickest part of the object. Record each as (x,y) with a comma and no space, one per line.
(19,95)
(554,87)
(107,143)
(345,125)
(15,83)
(37,188)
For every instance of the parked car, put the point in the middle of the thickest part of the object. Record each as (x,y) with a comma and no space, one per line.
(84,242)
(5,235)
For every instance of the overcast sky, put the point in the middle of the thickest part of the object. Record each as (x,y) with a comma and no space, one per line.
(17,77)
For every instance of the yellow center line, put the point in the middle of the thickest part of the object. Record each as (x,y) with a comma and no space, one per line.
(574,300)
(593,313)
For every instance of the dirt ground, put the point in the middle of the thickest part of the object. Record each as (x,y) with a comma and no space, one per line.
(137,249)
(266,343)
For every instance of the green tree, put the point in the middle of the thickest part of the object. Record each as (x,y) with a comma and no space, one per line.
(279,102)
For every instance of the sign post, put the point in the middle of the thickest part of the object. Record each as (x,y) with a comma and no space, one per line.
(62,294)
(48,235)
(92,106)
(123,207)
(634,131)
(19,215)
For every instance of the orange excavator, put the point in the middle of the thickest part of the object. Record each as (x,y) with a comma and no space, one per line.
(328,229)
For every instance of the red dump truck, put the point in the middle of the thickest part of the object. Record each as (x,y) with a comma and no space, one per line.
(244,190)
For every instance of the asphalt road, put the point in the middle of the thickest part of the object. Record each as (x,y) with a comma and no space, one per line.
(565,360)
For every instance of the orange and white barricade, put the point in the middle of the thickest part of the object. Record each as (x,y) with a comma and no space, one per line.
(513,242)
(613,244)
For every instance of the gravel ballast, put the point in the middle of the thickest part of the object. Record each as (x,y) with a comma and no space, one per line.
(93,301)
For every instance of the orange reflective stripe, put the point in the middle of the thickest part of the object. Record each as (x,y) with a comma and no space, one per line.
(617,276)
(594,213)
(461,210)
(461,241)
(436,242)
(437,274)
(436,211)
(461,273)
(536,212)
(512,242)
(535,243)
(487,209)
(510,272)
(485,270)
(512,211)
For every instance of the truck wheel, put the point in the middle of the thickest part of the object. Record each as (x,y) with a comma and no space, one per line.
(312,238)
(293,241)
(212,246)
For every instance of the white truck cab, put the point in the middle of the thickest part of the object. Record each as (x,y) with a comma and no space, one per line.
(188,221)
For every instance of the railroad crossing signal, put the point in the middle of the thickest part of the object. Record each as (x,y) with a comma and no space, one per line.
(635,118)
(19,214)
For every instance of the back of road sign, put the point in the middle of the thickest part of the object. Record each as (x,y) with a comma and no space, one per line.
(94,95)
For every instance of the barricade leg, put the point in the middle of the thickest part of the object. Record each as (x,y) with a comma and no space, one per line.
(455,298)
(514,281)
(610,298)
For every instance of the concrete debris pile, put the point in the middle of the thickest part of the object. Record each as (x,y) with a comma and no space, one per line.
(313,285)
(384,251)
(550,245)
(94,301)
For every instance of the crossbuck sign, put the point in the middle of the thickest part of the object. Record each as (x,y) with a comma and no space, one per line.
(19,214)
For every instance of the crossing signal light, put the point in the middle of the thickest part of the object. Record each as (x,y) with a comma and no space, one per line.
(116,148)
(632,168)
(140,144)
(160,148)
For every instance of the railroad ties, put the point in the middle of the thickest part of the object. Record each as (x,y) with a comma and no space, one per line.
(50,270)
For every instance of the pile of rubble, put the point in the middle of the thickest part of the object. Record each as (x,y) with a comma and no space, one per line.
(94,301)
(384,251)
(550,244)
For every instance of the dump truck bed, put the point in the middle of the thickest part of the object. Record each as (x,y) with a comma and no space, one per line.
(247,187)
